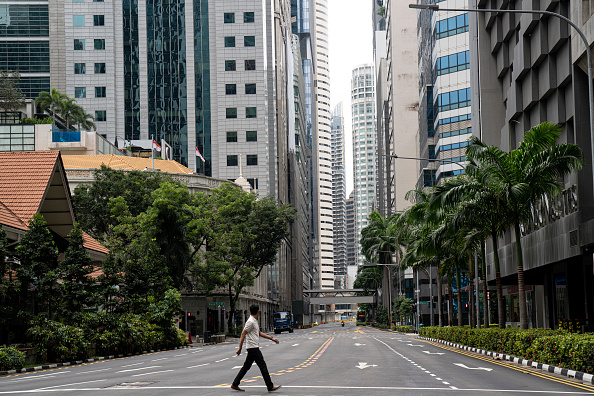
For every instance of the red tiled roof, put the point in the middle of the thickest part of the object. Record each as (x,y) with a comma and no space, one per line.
(91,243)
(24,177)
(24,180)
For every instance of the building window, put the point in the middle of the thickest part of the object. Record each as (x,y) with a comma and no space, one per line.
(79,44)
(249,41)
(99,44)
(453,100)
(98,1)
(229,17)
(452,63)
(232,160)
(250,64)
(451,26)
(80,92)
(100,92)
(98,20)
(78,1)
(230,89)
(78,20)
(253,183)
(248,17)
(231,112)
(80,68)
(99,68)
(100,115)
(231,137)
(251,136)
(250,89)
(250,112)
(230,65)
(252,159)
(229,41)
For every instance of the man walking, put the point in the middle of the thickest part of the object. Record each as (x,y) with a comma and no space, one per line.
(251,332)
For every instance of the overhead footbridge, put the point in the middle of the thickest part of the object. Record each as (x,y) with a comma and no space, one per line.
(340,296)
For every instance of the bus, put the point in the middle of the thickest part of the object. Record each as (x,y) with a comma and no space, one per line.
(361,316)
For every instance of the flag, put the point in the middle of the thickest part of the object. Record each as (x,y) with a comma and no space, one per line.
(156,146)
(199,155)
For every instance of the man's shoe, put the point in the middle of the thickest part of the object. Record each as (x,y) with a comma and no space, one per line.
(237,388)
(274,388)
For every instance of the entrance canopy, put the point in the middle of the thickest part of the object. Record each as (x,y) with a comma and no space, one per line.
(339,296)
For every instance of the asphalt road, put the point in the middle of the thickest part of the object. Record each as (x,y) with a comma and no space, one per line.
(326,360)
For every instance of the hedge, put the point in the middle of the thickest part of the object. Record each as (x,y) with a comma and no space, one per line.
(112,334)
(11,359)
(403,329)
(555,347)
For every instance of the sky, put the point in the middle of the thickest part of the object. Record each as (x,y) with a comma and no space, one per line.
(351,45)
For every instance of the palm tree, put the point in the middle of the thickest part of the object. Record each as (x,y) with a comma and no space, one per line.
(50,101)
(523,176)
(84,120)
(477,202)
(69,111)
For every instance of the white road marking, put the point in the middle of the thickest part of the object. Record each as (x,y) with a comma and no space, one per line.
(42,376)
(236,367)
(138,369)
(357,344)
(200,365)
(135,364)
(154,372)
(92,371)
(415,345)
(294,344)
(365,365)
(222,360)
(156,360)
(472,368)
(74,383)
(434,353)
(183,354)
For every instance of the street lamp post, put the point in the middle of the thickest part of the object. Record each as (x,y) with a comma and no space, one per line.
(435,7)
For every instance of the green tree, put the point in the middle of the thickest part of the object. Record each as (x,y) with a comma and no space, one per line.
(8,288)
(84,120)
(91,201)
(247,233)
(74,270)
(523,176)
(51,102)
(11,97)
(69,111)
(37,271)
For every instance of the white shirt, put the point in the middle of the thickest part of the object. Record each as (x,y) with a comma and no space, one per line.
(252,338)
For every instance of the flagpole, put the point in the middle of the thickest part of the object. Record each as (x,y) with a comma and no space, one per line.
(153,152)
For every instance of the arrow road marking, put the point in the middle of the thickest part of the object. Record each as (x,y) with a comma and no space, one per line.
(365,365)
(434,353)
(415,345)
(357,344)
(473,368)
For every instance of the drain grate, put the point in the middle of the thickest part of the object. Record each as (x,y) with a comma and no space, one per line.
(130,385)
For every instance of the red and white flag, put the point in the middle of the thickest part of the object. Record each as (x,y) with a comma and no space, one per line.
(156,146)
(199,155)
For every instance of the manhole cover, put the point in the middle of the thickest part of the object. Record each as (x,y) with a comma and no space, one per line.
(130,385)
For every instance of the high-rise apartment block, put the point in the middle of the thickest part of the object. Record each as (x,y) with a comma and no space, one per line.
(364,147)
(322,147)
(339,198)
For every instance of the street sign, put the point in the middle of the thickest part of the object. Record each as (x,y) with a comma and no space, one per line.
(216,303)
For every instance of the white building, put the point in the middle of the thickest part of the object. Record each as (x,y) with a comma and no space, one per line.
(324,249)
(364,147)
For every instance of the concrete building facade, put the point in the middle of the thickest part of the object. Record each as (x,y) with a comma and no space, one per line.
(339,198)
(364,147)
(532,69)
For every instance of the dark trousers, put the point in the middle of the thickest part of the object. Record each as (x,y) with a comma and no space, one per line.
(254,355)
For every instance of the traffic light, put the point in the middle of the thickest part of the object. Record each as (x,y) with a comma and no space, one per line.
(413,309)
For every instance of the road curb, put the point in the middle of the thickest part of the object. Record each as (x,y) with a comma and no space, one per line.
(90,360)
(586,378)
